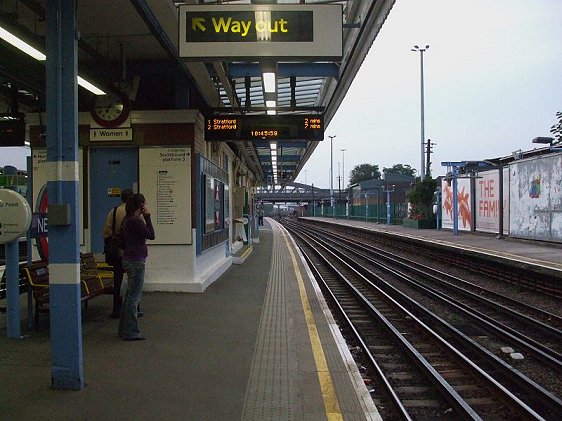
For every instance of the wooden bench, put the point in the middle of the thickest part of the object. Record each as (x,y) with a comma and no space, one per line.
(102,271)
(22,285)
(37,276)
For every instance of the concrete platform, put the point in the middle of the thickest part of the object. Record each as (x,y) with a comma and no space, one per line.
(538,253)
(258,344)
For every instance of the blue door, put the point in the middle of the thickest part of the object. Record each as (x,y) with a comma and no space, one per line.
(111,170)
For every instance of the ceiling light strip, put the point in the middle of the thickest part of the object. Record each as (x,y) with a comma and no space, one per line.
(39,56)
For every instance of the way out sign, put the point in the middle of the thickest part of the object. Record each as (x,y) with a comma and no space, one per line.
(291,32)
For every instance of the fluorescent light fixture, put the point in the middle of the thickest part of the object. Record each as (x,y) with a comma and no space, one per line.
(38,55)
(274,152)
(21,45)
(273,145)
(271,104)
(269,82)
(89,86)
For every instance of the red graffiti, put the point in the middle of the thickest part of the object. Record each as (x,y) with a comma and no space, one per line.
(463,205)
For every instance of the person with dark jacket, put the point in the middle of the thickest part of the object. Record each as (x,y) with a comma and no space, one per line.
(112,224)
(137,228)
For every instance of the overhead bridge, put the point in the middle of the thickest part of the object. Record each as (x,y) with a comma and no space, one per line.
(294,192)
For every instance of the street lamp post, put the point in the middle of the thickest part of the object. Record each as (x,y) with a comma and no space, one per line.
(332,175)
(421,51)
(388,190)
(343,180)
(343,166)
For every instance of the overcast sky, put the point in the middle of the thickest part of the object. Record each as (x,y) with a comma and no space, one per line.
(492,76)
(493,82)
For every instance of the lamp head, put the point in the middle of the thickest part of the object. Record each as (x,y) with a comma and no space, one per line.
(543,139)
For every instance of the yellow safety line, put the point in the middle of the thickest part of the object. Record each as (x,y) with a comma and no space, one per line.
(331,405)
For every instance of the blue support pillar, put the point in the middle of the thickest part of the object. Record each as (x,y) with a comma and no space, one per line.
(29,244)
(12,290)
(62,157)
(455,206)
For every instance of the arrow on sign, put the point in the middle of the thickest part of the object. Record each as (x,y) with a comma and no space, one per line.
(198,23)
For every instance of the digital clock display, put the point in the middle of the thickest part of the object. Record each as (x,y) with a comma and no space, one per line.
(263,127)
(264,133)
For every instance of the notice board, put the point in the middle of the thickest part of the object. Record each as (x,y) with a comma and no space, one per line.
(165,182)
(44,171)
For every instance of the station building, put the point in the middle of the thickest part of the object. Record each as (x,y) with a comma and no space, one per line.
(163,81)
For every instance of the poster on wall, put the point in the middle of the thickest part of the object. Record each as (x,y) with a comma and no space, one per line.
(536,198)
(464,204)
(487,201)
(165,182)
(40,223)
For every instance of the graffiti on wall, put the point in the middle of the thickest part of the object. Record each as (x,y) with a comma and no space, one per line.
(464,207)
(535,188)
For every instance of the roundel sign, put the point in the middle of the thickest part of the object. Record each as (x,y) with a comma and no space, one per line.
(15,216)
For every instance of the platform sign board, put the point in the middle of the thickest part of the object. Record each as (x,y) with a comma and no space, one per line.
(264,127)
(165,181)
(288,32)
(15,216)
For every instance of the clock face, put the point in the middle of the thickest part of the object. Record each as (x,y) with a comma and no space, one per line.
(110,110)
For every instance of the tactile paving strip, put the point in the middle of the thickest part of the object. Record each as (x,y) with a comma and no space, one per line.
(270,395)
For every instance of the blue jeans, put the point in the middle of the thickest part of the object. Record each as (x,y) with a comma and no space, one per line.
(129,324)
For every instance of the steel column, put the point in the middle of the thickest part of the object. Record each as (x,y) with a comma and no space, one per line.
(62,185)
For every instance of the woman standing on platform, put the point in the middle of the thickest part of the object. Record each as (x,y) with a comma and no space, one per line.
(137,228)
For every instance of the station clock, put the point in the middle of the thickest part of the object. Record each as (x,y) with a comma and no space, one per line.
(110,110)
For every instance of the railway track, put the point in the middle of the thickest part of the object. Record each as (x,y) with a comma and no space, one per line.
(413,354)
(519,275)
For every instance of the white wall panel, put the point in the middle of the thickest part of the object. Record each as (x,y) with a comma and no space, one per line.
(536,198)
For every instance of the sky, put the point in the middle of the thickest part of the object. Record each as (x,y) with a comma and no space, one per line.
(492,83)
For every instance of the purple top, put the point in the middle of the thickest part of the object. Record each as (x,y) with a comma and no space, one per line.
(136,233)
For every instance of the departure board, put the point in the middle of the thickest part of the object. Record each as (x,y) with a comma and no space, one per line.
(265,127)
(12,129)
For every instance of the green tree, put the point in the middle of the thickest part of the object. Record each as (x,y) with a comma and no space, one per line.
(400,170)
(364,172)
(420,197)
(556,129)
